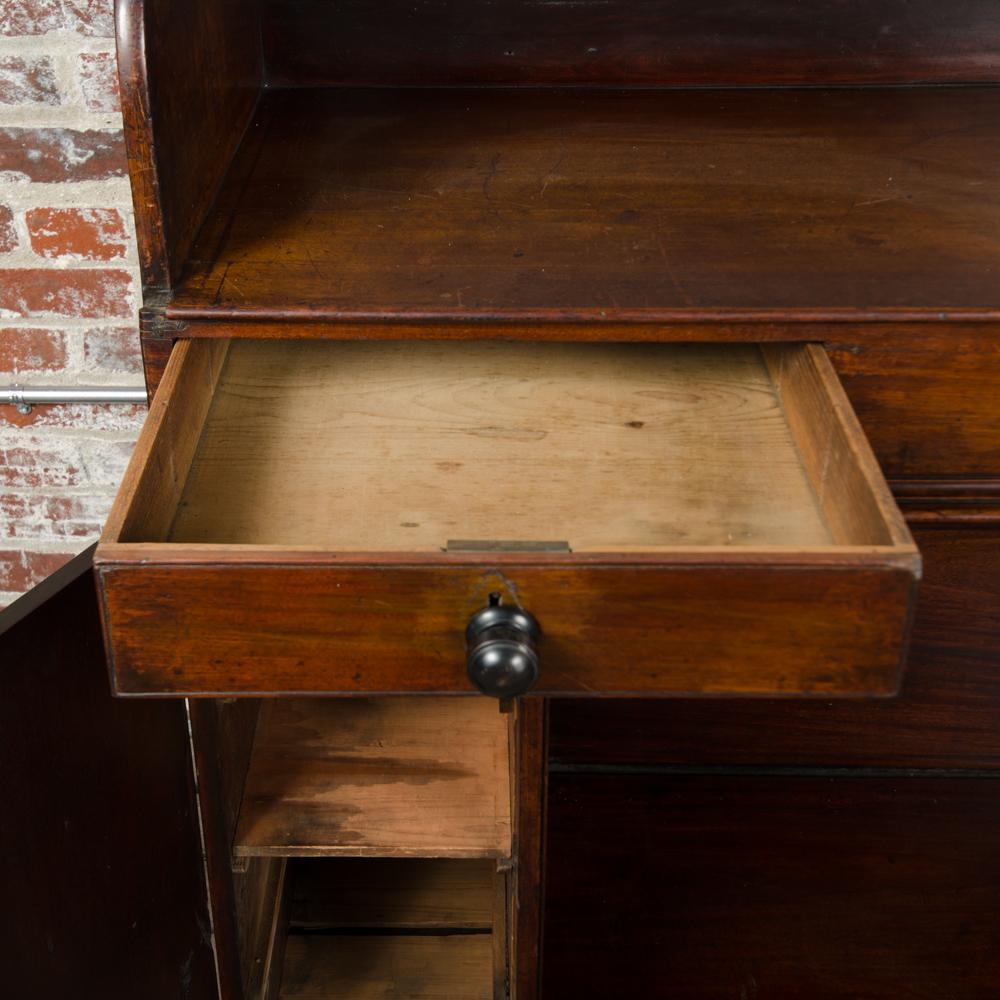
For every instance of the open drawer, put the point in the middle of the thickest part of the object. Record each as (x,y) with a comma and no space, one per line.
(321,516)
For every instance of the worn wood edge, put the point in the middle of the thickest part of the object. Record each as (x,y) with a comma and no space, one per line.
(960,517)
(703,330)
(133,556)
(861,450)
(499,935)
(803,375)
(347,851)
(275,958)
(974,489)
(168,440)
(177,309)
(203,740)
(130,36)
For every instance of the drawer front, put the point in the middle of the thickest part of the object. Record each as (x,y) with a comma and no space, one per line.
(946,715)
(606,629)
(679,519)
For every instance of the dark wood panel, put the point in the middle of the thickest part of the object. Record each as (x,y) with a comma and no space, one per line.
(706,624)
(530,797)
(947,715)
(631,41)
(222,741)
(656,206)
(764,887)
(190,73)
(100,857)
(926,396)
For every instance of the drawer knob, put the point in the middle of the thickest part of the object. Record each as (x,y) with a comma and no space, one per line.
(501,648)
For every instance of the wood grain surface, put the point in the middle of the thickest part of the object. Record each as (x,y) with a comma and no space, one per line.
(457,967)
(721,626)
(653,205)
(947,714)
(378,778)
(630,42)
(175,56)
(688,886)
(393,893)
(403,447)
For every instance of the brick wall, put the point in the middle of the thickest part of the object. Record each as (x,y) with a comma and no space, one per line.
(68,280)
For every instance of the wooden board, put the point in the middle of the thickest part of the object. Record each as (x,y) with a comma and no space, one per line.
(174,55)
(630,42)
(332,967)
(100,847)
(607,206)
(378,778)
(403,447)
(393,893)
(946,715)
(822,625)
(729,885)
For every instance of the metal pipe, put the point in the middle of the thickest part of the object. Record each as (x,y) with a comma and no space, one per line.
(24,397)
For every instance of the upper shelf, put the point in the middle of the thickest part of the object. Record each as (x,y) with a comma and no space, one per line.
(351,204)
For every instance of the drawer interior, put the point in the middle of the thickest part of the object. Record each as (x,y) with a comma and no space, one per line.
(424,447)
(327,517)
(374,850)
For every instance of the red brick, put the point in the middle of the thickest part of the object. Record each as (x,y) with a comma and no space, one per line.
(20,570)
(8,234)
(112,349)
(89,294)
(28,81)
(82,233)
(99,81)
(49,155)
(34,463)
(91,17)
(33,516)
(30,17)
(25,349)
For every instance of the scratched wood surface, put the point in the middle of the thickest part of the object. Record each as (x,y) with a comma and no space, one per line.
(378,778)
(644,204)
(403,447)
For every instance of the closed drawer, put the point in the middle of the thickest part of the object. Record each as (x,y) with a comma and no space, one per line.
(318,516)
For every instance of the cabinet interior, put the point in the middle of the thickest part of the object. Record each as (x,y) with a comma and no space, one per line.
(373,849)
(579,205)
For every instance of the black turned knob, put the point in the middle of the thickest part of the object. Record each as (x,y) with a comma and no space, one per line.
(502,658)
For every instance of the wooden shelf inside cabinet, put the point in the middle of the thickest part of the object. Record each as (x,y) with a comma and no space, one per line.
(448,967)
(596,205)
(389,777)
(403,894)
(404,928)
